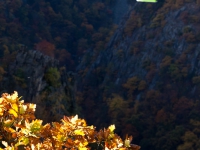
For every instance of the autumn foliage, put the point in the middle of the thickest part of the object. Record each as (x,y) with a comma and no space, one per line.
(19,129)
(46,48)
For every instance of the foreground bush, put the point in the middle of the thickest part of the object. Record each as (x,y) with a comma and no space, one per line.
(20,130)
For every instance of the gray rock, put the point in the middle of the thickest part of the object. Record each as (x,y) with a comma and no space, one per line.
(26,75)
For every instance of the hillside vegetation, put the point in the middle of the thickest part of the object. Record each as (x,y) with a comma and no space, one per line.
(143,76)
(63,29)
(41,41)
(147,80)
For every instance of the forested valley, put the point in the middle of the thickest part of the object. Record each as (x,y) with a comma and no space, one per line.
(141,74)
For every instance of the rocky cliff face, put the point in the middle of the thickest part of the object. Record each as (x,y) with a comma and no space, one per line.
(39,80)
(120,9)
(160,54)
(128,56)
(32,65)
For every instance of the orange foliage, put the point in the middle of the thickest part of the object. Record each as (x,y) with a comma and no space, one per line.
(190,37)
(64,57)
(45,47)
(19,128)
(131,83)
(89,28)
(166,61)
(182,104)
(158,20)
(133,22)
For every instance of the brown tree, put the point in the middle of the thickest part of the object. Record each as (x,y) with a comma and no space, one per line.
(45,47)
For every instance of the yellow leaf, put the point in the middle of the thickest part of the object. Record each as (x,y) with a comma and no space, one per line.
(8,123)
(82,148)
(22,141)
(1,112)
(111,128)
(79,132)
(5,143)
(61,138)
(83,144)
(9,130)
(32,106)
(1,100)
(82,122)
(127,142)
(22,109)
(36,125)
(74,119)
(91,127)
(13,112)
(15,107)
(12,98)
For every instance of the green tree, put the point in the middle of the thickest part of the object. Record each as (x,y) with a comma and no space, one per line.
(52,76)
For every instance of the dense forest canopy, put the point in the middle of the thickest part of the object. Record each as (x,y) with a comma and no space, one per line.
(63,29)
(145,81)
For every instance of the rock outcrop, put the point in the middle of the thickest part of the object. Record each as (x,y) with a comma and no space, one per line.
(163,50)
(27,74)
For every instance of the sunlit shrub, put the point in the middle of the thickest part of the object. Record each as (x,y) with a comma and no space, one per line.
(20,130)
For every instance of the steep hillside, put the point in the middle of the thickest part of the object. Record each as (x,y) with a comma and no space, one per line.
(63,29)
(142,75)
(147,79)
(59,31)
(120,8)
(40,80)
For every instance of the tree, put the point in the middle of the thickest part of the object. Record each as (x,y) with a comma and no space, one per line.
(46,47)
(20,130)
(191,137)
(52,76)
(131,85)
(133,22)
